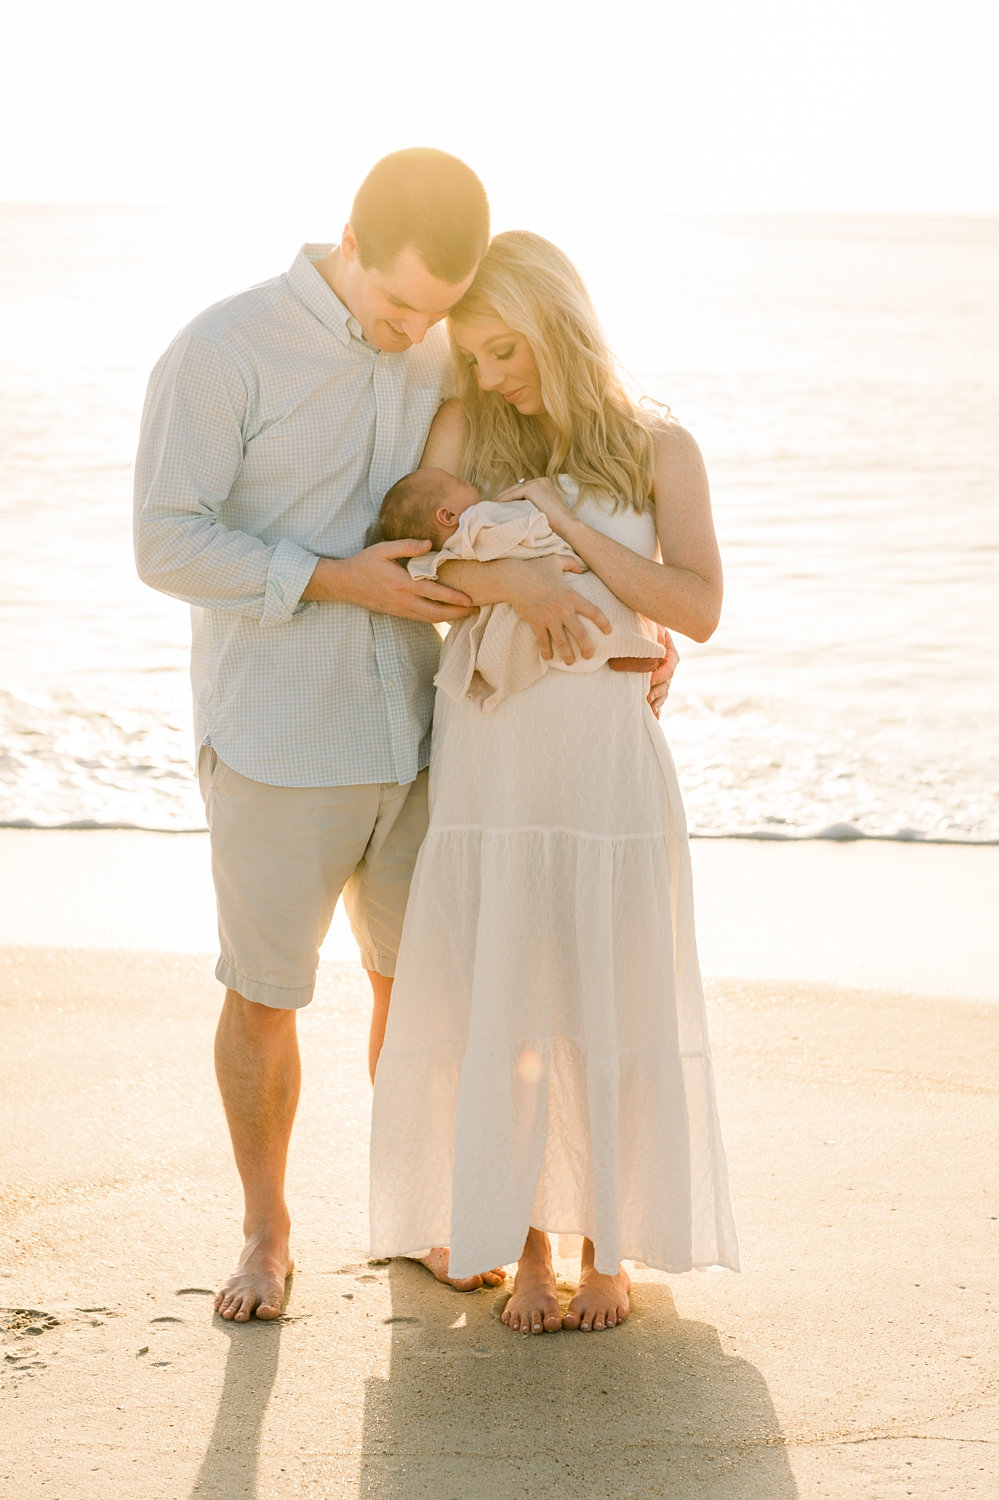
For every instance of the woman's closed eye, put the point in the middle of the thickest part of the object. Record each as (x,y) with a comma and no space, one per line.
(471,361)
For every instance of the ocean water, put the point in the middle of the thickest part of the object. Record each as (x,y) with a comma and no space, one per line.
(841,376)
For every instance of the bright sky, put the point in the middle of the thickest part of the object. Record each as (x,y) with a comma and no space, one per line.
(855,106)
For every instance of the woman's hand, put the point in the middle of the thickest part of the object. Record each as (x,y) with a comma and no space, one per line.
(546,495)
(662,672)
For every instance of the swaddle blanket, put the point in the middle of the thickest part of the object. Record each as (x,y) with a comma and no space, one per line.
(495,653)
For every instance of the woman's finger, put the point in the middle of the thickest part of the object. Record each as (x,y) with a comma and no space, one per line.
(515,492)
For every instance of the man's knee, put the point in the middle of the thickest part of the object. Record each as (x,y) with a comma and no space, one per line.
(256,1017)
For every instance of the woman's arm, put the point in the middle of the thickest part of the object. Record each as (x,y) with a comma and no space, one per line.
(536,588)
(684,592)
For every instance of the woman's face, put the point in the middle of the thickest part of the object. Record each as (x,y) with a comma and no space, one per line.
(503,362)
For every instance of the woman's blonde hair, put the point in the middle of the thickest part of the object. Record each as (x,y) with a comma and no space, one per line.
(602,438)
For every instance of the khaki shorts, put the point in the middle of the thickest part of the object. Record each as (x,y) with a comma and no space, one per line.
(281,856)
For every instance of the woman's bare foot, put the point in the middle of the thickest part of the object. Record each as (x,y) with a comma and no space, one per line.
(436,1262)
(602,1301)
(257,1285)
(533,1306)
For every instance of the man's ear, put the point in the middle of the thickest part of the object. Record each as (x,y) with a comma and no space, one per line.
(348,242)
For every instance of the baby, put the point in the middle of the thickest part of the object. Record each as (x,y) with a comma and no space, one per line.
(495,653)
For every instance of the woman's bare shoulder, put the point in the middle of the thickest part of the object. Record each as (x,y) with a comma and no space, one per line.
(672,440)
(445,444)
(678,458)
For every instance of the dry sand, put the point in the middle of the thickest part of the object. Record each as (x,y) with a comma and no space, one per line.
(854,1356)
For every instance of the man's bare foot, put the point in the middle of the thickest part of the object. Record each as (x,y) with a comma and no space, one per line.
(533,1307)
(601,1301)
(436,1262)
(257,1284)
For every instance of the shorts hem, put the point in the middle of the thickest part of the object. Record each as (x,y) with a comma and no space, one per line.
(277,996)
(377,961)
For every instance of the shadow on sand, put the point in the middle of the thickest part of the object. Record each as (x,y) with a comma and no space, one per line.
(475,1412)
(229,1468)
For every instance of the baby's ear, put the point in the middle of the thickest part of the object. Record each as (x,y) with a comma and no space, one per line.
(444,517)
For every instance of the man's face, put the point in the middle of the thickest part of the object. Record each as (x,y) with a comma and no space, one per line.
(395,307)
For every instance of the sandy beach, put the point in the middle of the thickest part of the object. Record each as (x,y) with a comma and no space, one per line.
(854,1356)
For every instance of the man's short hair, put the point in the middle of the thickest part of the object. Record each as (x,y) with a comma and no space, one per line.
(426,199)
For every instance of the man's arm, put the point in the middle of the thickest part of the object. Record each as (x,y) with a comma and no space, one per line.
(377,580)
(190,453)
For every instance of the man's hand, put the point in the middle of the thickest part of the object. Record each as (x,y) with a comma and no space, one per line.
(377,580)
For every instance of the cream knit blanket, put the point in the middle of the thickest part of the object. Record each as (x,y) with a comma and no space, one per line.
(494,653)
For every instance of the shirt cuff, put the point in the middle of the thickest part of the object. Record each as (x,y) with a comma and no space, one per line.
(290,570)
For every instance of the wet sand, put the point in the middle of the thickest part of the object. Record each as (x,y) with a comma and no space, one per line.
(854,1356)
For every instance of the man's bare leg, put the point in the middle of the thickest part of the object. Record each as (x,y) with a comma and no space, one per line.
(533,1307)
(602,1301)
(436,1261)
(259,1073)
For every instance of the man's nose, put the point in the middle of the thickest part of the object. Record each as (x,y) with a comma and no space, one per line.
(416,328)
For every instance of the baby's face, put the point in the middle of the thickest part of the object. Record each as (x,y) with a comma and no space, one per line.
(453,497)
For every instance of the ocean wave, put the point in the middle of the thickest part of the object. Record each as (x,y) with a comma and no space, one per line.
(836,833)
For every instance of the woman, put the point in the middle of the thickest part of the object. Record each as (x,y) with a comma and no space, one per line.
(546,1066)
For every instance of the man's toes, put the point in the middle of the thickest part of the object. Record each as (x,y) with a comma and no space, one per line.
(553,1322)
(571,1318)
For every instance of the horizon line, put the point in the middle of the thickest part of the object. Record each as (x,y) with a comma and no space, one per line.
(678,213)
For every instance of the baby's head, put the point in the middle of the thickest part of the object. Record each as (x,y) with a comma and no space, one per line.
(426,504)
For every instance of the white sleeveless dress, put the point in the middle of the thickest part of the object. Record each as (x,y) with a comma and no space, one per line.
(546,1060)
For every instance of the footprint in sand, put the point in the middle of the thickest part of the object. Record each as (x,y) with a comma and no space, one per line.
(20,1323)
(16,1321)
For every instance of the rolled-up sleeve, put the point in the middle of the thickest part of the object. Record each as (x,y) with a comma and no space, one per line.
(190,453)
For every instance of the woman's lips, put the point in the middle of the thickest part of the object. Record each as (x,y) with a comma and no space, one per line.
(513,396)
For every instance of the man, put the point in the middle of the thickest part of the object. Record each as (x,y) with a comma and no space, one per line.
(273,426)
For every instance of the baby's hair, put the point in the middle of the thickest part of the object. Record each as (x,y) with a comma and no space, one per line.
(408,508)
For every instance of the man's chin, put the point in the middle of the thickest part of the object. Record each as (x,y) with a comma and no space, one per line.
(390,343)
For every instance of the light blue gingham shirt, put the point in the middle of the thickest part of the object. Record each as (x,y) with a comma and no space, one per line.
(270,433)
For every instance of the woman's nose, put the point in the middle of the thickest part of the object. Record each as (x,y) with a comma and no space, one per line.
(490,375)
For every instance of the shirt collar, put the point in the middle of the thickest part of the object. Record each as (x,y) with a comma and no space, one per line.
(315,293)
